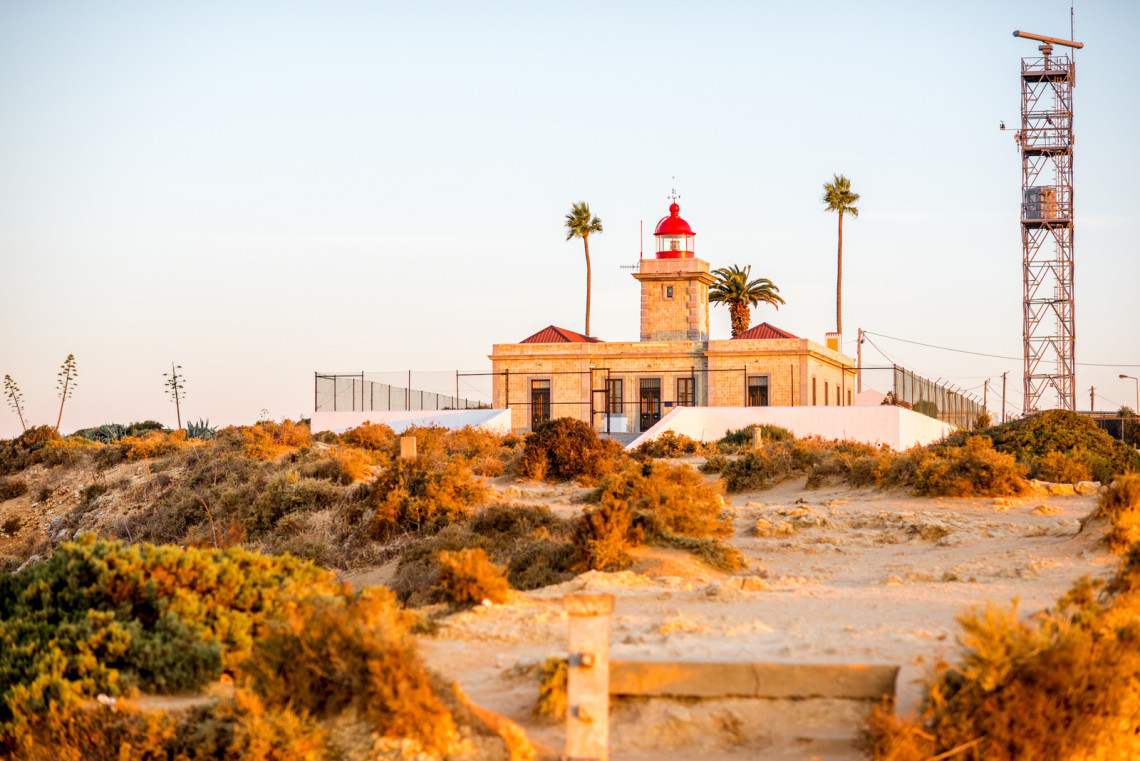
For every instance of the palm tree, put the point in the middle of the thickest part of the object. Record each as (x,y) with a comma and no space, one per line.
(733,288)
(839,198)
(580,224)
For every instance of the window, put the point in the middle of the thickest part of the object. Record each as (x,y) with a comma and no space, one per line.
(813,402)
(758,391)
(668,289)
(614,396)
(838,398)
(686,392)
(825,393)
(848,398)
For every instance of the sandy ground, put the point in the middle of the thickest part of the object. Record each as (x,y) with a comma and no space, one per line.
(843,576)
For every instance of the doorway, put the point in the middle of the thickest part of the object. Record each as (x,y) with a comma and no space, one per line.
(539,403)
(649,402)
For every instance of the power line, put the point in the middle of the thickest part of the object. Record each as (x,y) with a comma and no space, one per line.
(983,354)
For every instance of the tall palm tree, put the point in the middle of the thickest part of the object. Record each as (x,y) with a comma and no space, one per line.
(580,224)
(839,198)
(732,287)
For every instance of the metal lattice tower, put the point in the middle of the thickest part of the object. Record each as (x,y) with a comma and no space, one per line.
(1046,142)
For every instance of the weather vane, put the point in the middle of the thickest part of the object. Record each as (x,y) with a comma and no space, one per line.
(674,195)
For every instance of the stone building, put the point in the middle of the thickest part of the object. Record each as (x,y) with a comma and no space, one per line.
(626,387)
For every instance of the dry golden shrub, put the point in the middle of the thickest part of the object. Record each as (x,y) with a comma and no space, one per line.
(423,494)
(1120,504)
(267,440)
(1062,685)
(552,677)
(670,444)
(153,444)
(352,653)
(467,577)
(973,470)
(1064,467)
(68,731)
(604,535)
(677,495)
(355,463)
(374,436)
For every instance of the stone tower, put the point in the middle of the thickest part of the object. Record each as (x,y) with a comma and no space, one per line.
(674,285)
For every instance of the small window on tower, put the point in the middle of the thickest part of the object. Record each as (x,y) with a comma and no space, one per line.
(668,291)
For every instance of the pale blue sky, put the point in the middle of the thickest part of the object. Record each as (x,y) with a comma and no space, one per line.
(261,190)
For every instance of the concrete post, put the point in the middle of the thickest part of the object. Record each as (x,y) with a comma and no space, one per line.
(757,438)
(588,679)
(407,447)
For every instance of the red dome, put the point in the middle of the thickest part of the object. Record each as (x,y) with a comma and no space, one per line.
(673,224)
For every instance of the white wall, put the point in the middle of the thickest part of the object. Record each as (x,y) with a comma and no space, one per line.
(498,421)
(894,426)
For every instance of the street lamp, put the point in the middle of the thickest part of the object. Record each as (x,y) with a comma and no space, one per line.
(1136,409)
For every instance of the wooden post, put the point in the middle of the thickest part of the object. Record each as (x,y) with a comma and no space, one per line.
(407,447)
(757,438)
(588,678)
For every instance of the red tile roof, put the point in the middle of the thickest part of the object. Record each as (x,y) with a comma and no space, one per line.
(764,330)
(553,335)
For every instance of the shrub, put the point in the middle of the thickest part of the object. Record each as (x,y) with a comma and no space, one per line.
(604,535)
(670,444)
(564,449)
(714,463)
(1120,504)
(286,494)
(10,488)
(373,436)
(552,678)
(758,469)
(1064,467)
(735,440)
(676,495)
(352,653)
(467,577)
(153,444)
(973,470)
(102,617)
(1063,685)
(267,440)
(530,541)
(1034,437)
(423,494)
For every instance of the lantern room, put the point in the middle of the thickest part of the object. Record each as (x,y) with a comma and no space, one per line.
(674,236)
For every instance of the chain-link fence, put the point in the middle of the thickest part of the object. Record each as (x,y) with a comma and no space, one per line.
(935,399)
(1126,429)
(358,392)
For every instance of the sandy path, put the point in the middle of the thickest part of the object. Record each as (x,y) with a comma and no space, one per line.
(864,576)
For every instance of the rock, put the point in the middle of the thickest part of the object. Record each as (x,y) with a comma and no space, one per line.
(748,584)
(756,504)
(1046,510)
(930,532)
(29,562)
(1086,488)
(1062,490)
(765,528)
(1004,502)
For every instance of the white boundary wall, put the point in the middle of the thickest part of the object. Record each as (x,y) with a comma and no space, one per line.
(896,427)
(498,421)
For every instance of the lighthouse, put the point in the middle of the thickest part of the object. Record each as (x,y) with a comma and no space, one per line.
(674,284)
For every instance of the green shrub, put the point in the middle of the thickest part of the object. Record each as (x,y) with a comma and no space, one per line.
(565,449)
(759,469)
(467,577)
(10,488)
(1036,436)
(1063,467)
(289,493)
(742,438)
(714,463)
(670,444)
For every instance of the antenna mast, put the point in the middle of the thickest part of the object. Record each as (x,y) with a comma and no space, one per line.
(1046,142)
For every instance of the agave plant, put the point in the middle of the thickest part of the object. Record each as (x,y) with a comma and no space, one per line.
(201,430)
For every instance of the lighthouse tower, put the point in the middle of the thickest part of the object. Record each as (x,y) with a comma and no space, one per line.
(674,284)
